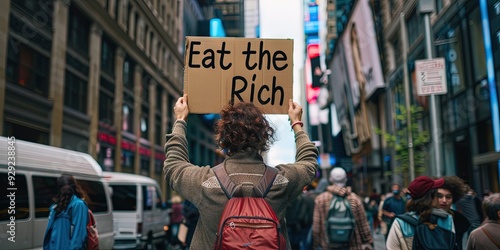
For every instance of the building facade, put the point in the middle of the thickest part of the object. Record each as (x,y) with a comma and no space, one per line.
(369,103)
(97,76)
(468,113)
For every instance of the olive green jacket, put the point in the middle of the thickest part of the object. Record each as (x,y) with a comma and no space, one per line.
(200,186)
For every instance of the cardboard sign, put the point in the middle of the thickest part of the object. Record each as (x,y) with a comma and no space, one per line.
(218,70)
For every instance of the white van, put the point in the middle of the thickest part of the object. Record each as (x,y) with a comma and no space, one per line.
(28,174)
(140,218)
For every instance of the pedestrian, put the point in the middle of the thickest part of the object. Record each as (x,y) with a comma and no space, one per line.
(68,217)
(383,226)
(299,218)
(191,216)
(176,218)
(362,238)
(393,206)
(423,206)
(470,206)
(452,191)
(244,133)
(487,236)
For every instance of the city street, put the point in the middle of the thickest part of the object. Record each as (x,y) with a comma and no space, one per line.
(379,242)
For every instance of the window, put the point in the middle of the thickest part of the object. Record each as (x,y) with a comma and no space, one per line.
(27,68)
(159,137)
(144,125)
(159,165)
(144,164)
(170,112)
(128,112)
(106,99)
(451,50)
(108,58)
(392,6)
(128,159)
(78,32)
(124,197)
(40,12)
(45,189)
(148,193)
(118,5)
(21,208)
(439,5)
(128,73)
(95,196)
(414,27)
(158,198)
(75,92)
(477,44)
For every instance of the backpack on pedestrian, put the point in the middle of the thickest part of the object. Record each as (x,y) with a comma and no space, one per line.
(92,233)
(428,235)
(340,221)
(248,222)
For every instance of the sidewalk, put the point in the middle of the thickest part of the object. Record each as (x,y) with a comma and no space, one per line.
(379,242)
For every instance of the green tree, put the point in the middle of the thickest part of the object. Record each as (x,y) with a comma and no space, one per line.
(399,142)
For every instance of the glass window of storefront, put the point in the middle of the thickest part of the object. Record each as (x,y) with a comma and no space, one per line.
(450,47)
(128,161)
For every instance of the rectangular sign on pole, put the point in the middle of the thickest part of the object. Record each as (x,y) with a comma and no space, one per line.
(218,70)
(431,77)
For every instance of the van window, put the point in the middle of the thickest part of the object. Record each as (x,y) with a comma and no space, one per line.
(95,195)
(148,194)
(18,207)
(45,189)
(124,197)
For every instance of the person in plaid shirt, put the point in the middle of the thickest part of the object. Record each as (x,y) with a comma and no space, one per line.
(362,238)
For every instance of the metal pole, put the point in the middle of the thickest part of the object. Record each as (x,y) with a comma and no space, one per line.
(406,82)
(436,140)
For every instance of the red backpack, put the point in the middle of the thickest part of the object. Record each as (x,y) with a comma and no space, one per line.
(92,234)
(248,222)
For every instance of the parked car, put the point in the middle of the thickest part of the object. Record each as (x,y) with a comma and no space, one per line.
(28,184)
(140,218)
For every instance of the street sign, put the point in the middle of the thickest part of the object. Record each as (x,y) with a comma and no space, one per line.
(431,77)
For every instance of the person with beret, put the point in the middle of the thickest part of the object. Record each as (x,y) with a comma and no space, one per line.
(422,205)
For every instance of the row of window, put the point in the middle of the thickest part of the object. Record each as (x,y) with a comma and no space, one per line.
(144,35)
(45,188)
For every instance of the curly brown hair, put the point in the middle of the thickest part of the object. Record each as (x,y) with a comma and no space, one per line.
(456,186)
(243,127)
(67,187)
(422,206)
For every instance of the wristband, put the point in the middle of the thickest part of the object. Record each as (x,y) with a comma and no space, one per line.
(297,123)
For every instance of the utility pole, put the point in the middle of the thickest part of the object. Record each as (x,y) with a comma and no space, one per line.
(406,82)
(426,7)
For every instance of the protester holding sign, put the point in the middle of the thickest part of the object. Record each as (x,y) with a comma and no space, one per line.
(244,134)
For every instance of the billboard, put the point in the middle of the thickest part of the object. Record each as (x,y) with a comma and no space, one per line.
(361,52)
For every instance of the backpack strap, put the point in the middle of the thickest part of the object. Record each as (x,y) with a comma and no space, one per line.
(490,237)
(408,218)
(229,187)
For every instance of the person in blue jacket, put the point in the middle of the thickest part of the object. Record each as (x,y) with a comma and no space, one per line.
(67,226)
